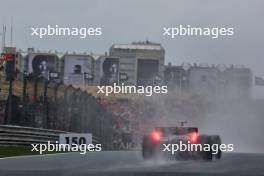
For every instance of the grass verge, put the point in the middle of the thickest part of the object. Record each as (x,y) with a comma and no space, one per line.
(18,151)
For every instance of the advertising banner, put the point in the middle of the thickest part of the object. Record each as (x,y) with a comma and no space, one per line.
(42,64)
(76,67)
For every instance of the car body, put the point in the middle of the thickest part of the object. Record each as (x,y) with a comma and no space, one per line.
(154,142)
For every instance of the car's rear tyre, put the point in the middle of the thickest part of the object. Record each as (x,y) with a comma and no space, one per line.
(147,149)
(207,155)
(215,139)
(147,153)
(219,154)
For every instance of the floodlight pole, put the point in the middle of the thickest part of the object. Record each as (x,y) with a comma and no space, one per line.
(45,102)
(10,94)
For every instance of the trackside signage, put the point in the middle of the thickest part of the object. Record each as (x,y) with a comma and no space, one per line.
(75,138)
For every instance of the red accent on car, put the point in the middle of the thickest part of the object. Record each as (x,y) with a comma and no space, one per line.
(193,137)
(156,136)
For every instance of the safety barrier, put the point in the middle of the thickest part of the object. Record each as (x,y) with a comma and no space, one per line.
(38,104)
(22,136)
(11,135)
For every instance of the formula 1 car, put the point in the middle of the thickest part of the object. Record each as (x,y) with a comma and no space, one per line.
(153,144)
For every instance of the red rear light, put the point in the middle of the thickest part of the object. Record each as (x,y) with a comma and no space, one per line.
(156,136)
(193,137)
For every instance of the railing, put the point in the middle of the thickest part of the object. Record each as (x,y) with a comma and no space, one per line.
(23,136)
(57,110)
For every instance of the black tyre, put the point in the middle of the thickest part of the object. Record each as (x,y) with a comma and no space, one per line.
(146,153)
(147,149)
(219,154)
(217,140)
(207,155)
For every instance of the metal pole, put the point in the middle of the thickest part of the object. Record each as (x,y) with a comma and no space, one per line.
(45,91)
(9,109)
(24,87)
(46,104)
(25,105)
(180,82)
(180,79)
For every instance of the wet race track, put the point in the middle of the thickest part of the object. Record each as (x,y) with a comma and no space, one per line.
(128,163)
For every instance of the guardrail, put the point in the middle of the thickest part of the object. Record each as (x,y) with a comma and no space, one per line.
(17,135)
(23,136)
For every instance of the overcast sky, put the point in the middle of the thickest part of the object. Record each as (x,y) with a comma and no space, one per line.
(124,21)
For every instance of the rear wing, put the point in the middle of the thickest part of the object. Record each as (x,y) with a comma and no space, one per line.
(177,130)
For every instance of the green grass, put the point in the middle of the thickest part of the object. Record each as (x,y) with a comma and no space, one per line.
(18,151)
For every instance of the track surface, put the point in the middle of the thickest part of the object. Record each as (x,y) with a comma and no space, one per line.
(128,163)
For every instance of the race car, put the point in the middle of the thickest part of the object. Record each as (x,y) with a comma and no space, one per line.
(155,143)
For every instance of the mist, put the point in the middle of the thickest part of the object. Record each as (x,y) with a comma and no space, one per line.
(239,121)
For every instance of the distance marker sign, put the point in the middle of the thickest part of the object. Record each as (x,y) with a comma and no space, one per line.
(75,138)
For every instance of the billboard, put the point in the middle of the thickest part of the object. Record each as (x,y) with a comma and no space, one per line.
(147,70)
(41,65)
(76,67)
(110,71)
